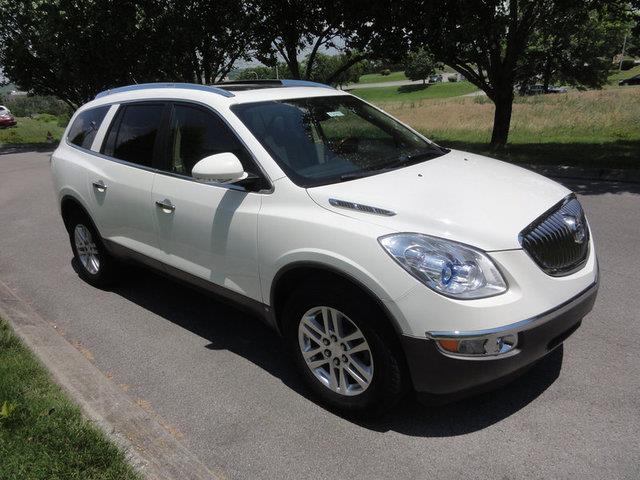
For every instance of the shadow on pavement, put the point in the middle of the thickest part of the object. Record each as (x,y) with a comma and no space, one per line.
(227,328)
(614,154)
(598,187)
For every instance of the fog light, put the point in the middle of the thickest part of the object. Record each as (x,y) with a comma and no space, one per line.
(478,346)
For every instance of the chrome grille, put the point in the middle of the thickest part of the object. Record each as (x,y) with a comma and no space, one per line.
(558,241)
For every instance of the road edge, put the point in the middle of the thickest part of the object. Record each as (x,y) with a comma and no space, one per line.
(149,447)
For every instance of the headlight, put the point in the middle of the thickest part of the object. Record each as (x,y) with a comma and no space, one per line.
(450,268)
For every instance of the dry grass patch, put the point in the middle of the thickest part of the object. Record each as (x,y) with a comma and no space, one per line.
(586,117)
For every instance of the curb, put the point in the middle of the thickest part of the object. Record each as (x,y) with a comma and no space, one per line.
(151,449)
(6,149)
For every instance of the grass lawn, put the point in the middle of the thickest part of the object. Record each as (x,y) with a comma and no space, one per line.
(32,130)
(616,77)
(42,434)
(412,93)
(394,76)
(592,128)
(378,78)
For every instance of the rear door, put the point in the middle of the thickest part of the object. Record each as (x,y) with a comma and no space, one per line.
(208,231)
(121,178)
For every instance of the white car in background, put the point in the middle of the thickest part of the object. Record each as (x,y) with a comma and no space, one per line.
(387,262)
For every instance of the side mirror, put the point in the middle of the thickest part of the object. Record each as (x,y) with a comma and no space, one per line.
(221,168)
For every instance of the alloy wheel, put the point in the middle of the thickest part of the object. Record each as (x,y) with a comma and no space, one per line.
(87,249)
(335,350)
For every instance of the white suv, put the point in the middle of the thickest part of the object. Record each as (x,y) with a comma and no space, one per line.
(386,261)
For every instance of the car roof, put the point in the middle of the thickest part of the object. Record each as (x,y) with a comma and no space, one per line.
(225,93)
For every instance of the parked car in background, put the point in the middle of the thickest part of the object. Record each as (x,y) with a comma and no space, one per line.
(6,119)
(435,78)
(539,89)
(635,80)
(387,262)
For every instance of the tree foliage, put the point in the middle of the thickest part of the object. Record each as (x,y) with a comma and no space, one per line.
(300,31)
(420,64)
(197,41)
(70,49)
(326,66)
(75,48)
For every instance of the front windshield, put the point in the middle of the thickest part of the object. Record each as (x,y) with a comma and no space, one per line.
(323,140)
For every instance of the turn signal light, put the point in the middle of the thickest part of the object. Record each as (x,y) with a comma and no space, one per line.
(479,346)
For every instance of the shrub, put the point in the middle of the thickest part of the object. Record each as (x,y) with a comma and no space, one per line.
(63,120)
(29,105)
(385,72)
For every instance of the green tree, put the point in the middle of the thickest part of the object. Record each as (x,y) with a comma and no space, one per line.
(70,49)
(74,48)
(326,66)
(493,43)
(576,50)
(196,41)
(298,31)
(262,73)
(419,65)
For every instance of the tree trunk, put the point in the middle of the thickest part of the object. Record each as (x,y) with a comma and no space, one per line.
(502,119)
(547,75)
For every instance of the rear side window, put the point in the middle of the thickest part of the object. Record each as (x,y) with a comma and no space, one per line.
(86,125)
(133,136)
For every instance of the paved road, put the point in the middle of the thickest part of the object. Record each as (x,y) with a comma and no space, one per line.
(221,381)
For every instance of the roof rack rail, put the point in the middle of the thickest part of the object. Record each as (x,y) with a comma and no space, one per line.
(274,82)
(144,86)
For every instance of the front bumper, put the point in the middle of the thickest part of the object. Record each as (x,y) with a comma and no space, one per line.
(436,373)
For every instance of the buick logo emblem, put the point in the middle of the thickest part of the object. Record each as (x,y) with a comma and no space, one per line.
(576,227)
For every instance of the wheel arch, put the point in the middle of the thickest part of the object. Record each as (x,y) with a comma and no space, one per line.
(293,274)
(70,204)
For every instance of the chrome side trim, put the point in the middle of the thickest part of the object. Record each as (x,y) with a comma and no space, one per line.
(361,208)
(523,325)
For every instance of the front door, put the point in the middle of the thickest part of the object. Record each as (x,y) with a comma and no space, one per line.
(206,230)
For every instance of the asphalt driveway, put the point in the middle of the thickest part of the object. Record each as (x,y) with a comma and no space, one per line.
(220,380)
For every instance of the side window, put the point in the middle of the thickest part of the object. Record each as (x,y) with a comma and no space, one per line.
(194,134)
(86,125)
(133,135)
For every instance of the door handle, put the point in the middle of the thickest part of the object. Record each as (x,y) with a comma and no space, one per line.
(166,206)
(100,186)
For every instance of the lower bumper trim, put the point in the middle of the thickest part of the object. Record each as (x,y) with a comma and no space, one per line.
(434,373)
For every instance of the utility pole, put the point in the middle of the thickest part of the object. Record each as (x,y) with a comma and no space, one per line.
(624,45)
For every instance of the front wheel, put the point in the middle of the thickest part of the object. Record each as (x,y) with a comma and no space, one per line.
(343,350)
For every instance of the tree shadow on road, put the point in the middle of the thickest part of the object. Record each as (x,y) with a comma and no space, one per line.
(230,329)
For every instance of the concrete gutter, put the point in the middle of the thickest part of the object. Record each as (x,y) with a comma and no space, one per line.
(149,447)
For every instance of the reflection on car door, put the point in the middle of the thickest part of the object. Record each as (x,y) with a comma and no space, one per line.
(206,230)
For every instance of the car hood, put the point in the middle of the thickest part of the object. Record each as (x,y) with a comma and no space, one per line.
(460,196)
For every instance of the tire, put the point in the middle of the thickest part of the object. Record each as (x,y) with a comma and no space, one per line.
(94,264)
(383,361)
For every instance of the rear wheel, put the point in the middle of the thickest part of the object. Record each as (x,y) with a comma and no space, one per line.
(342,348)
(94,263)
